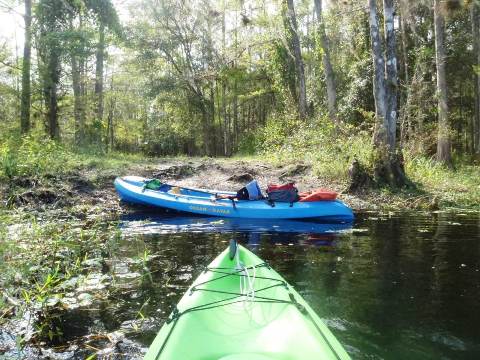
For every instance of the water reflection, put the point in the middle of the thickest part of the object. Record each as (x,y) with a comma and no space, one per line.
(168,223)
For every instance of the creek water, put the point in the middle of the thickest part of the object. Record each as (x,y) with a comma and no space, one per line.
(389,286)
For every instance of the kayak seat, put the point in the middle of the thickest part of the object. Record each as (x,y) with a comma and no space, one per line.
(246,356)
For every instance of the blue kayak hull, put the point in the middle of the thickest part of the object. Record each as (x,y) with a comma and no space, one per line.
(131,189)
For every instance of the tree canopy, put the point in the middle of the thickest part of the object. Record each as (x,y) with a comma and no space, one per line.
(227,76)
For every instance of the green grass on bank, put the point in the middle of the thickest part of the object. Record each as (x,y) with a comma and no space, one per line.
(32,156)
(459,187)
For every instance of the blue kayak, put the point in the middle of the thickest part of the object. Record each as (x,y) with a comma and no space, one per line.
(204,202)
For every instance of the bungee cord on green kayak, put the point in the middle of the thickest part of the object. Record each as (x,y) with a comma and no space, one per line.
(240,306)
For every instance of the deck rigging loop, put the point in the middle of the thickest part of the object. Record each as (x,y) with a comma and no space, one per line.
(247,282)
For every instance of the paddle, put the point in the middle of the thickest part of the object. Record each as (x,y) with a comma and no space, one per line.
(167,187)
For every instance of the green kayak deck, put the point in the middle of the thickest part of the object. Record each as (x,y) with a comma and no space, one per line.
(241,309)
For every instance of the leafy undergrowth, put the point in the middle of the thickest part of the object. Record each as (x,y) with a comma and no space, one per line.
(33,156)
(330,152)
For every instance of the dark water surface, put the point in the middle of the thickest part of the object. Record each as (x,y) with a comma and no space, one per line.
(395,286)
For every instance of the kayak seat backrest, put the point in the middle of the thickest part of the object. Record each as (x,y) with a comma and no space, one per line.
(251,191)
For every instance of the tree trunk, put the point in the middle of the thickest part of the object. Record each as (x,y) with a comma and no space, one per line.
(389,165)
(211,126)
(26,92)
(99,72)
(226,123)
(77,103)
(475,13)
(403,90)
(391,72)
(235,118)
(206,129)
(224,88)
(403,33)
(82,70)
(111,111)
(443,145)
(292,30)
(78,108)
(54,130)
(380,134)
(327,65)
(110,134)
(50,79)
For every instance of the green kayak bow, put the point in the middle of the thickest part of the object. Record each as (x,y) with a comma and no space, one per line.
(241,309)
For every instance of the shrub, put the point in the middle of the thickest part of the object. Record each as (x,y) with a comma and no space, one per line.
(329,150)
